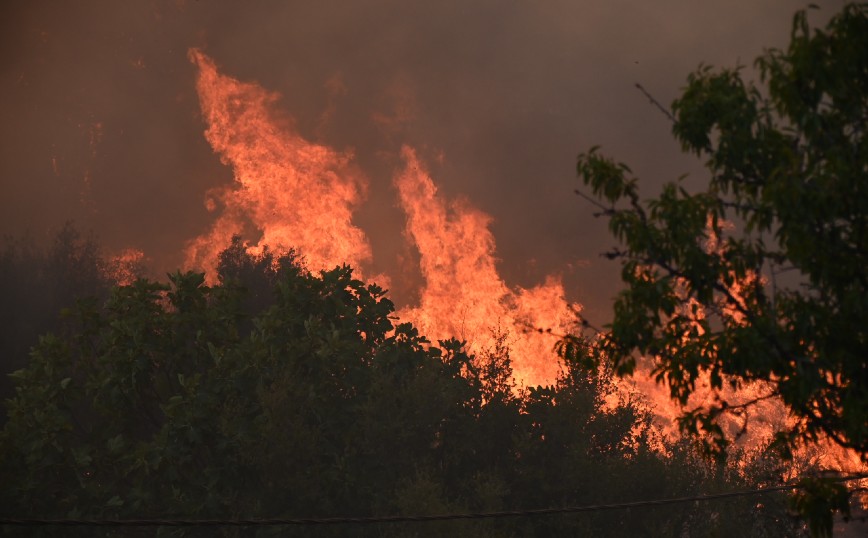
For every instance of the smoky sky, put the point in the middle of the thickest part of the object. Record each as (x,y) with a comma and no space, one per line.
(101,122)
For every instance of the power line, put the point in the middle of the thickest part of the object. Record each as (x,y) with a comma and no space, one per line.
(395,519)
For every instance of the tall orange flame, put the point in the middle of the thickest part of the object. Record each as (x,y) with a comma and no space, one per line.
(463,295)
(297,194)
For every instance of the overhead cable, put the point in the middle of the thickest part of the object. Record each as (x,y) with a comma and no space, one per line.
(30,522)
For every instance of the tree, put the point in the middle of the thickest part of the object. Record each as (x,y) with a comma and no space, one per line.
(36,284)
(303,399)
(171,399)
(763,275)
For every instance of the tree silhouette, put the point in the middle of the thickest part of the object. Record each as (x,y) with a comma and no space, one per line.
(181,399)
(760,277)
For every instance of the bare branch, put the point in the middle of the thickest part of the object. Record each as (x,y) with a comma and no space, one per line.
(656,103)
(604,210)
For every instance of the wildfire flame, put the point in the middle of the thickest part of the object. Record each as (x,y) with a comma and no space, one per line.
(749,426)
(295,193)
(298,194)
(463,295)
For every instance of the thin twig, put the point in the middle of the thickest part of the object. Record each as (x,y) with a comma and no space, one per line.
(605,210)
(656,103)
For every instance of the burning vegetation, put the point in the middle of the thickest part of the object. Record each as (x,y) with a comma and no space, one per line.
(276,378)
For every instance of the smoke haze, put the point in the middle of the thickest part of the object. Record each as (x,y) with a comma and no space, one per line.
(102,123)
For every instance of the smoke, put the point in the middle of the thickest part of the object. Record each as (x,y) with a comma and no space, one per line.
(291,193)
(288,193)
(103,124)
(102,121)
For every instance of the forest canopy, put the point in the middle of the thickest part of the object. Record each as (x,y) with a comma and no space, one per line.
(276,392)
(760,276)
(758,280)
(280,393)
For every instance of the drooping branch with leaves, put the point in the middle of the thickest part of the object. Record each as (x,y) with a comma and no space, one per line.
(762,276)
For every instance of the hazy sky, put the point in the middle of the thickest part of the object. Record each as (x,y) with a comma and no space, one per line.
(101,122)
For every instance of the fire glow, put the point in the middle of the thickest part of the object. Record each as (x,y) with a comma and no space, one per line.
(463,295)
(293,193)
(297,194)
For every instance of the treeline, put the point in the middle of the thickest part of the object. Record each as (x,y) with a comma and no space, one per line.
(38,282)
(278,393)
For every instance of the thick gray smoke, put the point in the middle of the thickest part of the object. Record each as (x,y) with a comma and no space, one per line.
(101,121)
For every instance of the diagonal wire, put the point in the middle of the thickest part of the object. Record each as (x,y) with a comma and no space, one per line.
(394,519)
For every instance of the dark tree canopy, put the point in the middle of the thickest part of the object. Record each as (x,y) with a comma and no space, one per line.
(279,393)
(763,275)
(37,282)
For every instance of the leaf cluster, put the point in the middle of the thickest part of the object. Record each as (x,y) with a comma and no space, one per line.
(181,399)
(760,277)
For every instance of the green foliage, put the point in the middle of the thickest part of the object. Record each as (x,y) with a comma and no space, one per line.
(818,498)
(761,276)
(188,400)
(36,283)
